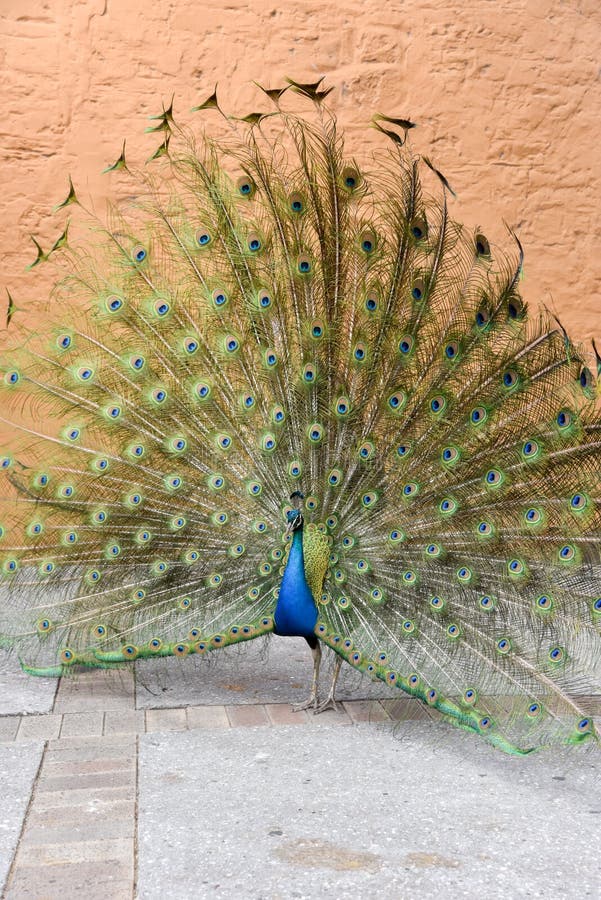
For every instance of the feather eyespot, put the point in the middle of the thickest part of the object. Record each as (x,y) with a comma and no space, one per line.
(564,419)
(335,477)
(482,245)
(113,304)
(478,415)
(245,185)
(83,373)
(493,478)
(483,317)
(216,482)
(397,400)
(351,179)
(315,432)
(254,242)
(533,516)
(419,228)
(451,350)
(366,450)
(418,289)
(450,455)
(437,603)
(360,352)
(203,237)
(139,253)
(585,379)
(158,395)
(567,553)
(530,450)
(219,298)
(367,242)
(64,341)
(296,203)
(264,299)
(309,373)
(406,344)
(510,379)
(161,308)
(579,502)
(464,575)
(371,302)
(268,442)
(304,265)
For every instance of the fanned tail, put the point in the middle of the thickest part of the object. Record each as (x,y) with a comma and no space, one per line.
(270,316)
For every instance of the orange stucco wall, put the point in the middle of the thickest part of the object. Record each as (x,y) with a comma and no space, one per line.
(507,96)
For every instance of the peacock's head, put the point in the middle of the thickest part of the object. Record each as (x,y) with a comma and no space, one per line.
(294,516)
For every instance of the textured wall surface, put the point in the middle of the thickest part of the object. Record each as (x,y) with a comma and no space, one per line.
(507,97)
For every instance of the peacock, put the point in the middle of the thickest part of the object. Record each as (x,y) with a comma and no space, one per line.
(281,392)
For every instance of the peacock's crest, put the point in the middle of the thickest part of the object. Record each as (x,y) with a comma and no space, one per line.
(262,320)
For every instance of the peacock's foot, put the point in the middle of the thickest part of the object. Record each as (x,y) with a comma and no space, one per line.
(309,703)
(328,703)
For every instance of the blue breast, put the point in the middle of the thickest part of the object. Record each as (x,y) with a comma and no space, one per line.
(295,613)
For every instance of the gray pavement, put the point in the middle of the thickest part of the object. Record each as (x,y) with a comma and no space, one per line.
(190,779)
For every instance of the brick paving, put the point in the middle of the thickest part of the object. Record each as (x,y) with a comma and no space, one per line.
(79,832)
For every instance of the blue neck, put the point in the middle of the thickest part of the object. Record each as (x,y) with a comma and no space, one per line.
(295,613)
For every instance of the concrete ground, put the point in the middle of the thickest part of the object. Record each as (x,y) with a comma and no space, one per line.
(194,779)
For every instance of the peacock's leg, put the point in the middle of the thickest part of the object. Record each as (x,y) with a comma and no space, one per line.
(311,701)
(330,701)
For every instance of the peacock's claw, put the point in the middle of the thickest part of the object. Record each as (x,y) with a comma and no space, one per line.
(310,703)
(329,703)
